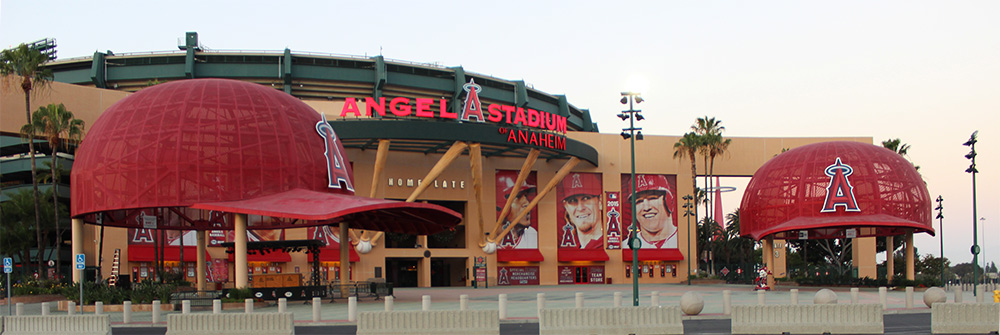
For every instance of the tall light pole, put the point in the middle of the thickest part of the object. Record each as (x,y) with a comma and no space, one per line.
(632,133)
(975,238)
(982,248)
(940,217)
(688,214)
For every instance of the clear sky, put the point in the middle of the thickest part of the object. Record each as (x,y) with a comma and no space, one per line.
(927,72)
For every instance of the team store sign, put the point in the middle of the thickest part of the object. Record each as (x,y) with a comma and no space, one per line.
(532,127)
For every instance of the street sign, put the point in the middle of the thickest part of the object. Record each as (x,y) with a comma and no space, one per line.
(8,265)
(81,262)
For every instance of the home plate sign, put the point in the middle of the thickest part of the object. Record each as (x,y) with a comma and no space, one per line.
(724,271)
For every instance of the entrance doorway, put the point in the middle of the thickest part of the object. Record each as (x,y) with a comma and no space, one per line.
(448,272)
(401,272)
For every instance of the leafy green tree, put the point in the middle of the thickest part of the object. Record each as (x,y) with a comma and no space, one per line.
(964,270)
(23,65)
(19,223)
(59,128)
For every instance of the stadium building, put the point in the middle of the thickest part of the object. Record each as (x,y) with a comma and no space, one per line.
(424,133)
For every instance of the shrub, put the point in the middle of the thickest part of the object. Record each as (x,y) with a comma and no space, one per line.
(238,295)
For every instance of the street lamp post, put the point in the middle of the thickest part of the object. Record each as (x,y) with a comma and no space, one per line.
(975,238)
(688,214)
(982,248)
(940,217)
(632,133)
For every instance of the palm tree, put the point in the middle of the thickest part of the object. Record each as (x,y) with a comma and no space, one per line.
(59,127)
(710,130)
(686,147)
(23,65)
(897,146)
(717,146)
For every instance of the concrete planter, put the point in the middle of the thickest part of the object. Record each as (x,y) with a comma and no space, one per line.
(118,308)
(32,299)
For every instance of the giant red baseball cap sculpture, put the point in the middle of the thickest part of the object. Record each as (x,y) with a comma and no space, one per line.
(193,152)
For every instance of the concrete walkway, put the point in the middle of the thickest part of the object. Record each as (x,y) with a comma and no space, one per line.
(522,303)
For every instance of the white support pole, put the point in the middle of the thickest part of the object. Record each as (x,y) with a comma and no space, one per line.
(248,305)
(388,303)
(156,311)
(425,303)
(352,309)
(98,308)
(19,309)
(727,302)
(854,295)
(216,306)
(618,299)
(883,297)
(909,297)
(579,299)
(282,305)
(316,305)
(761,300)
(71,308)
(503,306)
(45,309)
(127,312)
(541,303)
(463,302)
(185,306)
(795,296)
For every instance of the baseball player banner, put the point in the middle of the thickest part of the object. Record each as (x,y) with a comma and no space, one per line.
(655,207)
(613,220)
(524,235)
(579,212)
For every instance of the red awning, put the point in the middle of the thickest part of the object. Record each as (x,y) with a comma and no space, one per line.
(574,255)
(276,256)
(359,212)
(654,255)
(519,255)
(145,253)
(333,255)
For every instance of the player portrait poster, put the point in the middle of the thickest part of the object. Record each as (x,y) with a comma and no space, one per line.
(579,212)
(524,235)
(656,205)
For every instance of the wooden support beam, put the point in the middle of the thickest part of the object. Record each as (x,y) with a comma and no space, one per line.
(456,149)
(563,171)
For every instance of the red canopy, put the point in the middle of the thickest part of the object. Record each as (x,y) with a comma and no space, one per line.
(145,253)
(359,212)
(333,255)
(275,256)
(653,255)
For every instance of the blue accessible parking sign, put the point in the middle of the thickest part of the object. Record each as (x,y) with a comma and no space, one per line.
(80,262)
(8,265)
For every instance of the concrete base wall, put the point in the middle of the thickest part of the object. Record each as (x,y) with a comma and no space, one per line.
(231,323)
(965,318)
(429,322)
(611,320)
(57,324)
(807,319)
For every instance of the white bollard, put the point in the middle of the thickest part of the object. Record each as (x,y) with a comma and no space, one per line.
(389,300)
(981,297)
(45,308)
(156,311)
(618,299)
(854,295)
(127,312)
(795,296)
(216,306)
(958,294)
(909,297)
(425,303)
(579,299)
(19,309)
(316,305)
(463,302)
(727,302)
(503,306)
(282,305)
(541,303)
(248,305)
(98,308)
(654,299)
(883,297)
(352,309)
(761,300)
(71,310)
(185,306)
